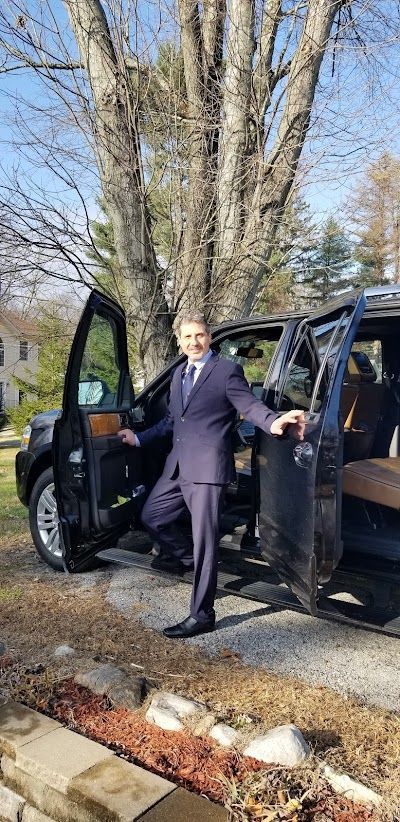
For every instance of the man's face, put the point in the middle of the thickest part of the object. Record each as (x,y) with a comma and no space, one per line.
(194,340)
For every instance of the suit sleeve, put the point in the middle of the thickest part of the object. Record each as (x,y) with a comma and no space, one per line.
(157,431)
(240,396)
(161,429)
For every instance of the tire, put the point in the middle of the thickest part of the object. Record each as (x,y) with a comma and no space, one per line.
(43,520)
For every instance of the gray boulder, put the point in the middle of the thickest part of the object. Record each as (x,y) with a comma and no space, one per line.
(64,650)
(100,680)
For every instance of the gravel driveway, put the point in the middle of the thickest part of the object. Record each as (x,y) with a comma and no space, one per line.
(350,660)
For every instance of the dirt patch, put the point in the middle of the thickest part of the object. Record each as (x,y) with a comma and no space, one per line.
(55,609)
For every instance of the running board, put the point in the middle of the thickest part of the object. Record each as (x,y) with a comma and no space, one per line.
(279,595)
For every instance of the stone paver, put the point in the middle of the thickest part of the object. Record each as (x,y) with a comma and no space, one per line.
(182,806)
(59,756)
(11,804)
(31,814)
(20,725)
(40,795)
(124,789)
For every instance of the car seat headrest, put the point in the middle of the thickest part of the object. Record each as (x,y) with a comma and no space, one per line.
(364,365)
(352,374)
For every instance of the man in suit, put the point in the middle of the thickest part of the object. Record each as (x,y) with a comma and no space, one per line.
(206,393)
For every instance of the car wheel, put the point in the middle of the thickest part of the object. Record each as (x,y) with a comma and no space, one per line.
(43,519)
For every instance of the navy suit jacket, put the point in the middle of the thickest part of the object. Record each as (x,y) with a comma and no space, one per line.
(202,430)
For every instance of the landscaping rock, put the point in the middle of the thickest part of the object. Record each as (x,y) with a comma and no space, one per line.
(100,680)
(3,648)
(179,705)
(224,735)
(64,650)
(203,726)
(128,693)
(167,720)
(283,745)
(355,791)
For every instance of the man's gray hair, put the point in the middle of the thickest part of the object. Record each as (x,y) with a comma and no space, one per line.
(191,317)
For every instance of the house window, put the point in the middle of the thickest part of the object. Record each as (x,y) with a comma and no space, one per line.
(1,352)
(23,350)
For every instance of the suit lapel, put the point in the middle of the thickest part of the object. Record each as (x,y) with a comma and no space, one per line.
(205,373)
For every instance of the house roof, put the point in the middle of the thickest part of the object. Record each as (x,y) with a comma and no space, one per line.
(20,324)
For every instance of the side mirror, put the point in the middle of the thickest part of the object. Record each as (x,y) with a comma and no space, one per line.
(90,392)
(308,387)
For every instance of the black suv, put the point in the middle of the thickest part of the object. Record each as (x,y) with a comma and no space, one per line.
(321,515)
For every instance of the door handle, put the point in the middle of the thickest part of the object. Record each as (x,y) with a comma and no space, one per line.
(303,454)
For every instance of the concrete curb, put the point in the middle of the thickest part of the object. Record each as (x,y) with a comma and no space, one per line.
(51,774)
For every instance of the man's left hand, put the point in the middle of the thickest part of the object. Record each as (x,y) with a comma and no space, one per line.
(294,420)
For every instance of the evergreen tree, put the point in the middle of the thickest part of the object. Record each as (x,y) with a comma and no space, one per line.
(330,269)
(296,241)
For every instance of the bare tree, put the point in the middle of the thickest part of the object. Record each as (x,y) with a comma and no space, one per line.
(207,143)
(374,214)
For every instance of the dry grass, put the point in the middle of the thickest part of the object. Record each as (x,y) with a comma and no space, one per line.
(55,610)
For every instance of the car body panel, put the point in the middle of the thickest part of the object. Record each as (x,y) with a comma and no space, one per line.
(299,505)
(93,468)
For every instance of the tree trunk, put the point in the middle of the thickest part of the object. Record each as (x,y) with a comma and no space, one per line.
(240,277)
(117,149)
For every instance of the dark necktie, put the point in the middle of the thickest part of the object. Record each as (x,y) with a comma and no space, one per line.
(187,384)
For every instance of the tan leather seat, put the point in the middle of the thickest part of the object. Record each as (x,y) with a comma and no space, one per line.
(376,480)
(361,404)
(243,461)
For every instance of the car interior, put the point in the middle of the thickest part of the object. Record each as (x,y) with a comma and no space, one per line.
(371,458)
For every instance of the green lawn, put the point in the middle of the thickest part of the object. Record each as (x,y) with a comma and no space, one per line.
(13,515)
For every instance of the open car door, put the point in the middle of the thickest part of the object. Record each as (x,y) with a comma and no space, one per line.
(97,478)
(300,482)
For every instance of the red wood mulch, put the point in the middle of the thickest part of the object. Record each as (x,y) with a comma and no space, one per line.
(195,763)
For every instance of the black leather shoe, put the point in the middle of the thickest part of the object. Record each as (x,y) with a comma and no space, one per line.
(189,627)
(171,564)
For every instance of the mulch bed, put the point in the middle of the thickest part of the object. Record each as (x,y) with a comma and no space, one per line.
(250,789)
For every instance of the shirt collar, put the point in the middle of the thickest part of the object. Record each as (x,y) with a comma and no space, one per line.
(199,363)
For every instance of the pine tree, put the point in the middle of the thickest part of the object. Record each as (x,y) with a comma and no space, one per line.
(295,243)
(330,270)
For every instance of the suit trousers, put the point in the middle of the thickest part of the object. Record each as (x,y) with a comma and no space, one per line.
(167,501)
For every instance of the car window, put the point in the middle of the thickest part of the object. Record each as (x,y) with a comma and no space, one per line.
(300,380)
(314,354)
(372,349)
(253,354)
(100,372)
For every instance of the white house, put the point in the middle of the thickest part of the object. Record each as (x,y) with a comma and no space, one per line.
(18,355)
